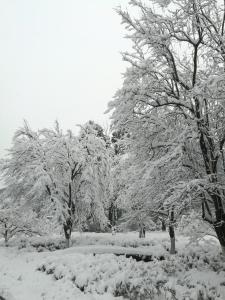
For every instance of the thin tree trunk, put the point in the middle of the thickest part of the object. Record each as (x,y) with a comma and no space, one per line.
(163,225)
(172,233)
(113,214)
(67,231)
(6,238)
(6,241)
(172,240)
(68,223)
(142,232)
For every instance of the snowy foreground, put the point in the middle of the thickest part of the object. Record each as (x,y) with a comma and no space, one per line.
(89,271)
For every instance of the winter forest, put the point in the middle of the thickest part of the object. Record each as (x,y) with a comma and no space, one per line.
(135,211)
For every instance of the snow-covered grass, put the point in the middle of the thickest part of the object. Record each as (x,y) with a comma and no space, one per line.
(127,240)
(196,272)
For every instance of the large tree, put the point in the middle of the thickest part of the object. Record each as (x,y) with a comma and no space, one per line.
(173,98)
(71,171)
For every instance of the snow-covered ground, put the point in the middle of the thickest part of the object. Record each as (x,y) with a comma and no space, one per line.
(20,279)
(76,273)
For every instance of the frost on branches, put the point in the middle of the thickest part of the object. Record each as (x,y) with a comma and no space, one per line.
(67,170)
(172,104)
(16,219)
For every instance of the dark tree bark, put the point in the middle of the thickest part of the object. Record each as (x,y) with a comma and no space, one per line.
(217,198)
(210,158)
(67,231)
(219,224)
(6,238)
(113,214)
(142,231)
(172,233)
(163,225)
(220,231)
(68,225)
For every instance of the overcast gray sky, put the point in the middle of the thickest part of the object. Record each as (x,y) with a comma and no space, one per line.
(58,59)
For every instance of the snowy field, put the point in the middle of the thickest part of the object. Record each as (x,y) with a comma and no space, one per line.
(89,269)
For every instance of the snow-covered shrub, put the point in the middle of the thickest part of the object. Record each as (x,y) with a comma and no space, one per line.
(46,243)
(119,239)
(42,243)
(108,273)
(185,276)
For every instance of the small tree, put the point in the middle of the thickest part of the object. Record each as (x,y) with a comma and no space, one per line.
(17,221)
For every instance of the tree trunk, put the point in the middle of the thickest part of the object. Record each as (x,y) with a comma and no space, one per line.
(67,231)
(220,231)
(218,222)
(142,232)
(112,214)
(163,225)
(172,239)
(172,233)
(217,196)
(210,158)
(67,226)
(67,242)
(6,237)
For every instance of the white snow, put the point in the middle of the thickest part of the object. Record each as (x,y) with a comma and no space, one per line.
(76,273)
(20,280)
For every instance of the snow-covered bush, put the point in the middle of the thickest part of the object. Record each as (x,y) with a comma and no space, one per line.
(41,244)
(121,240)
(47,243)
(186,276)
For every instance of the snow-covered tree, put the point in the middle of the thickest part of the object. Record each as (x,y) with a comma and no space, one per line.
(70,171)
(192,225)
(16,220)
(98,164)
(172,103)
(118,176)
